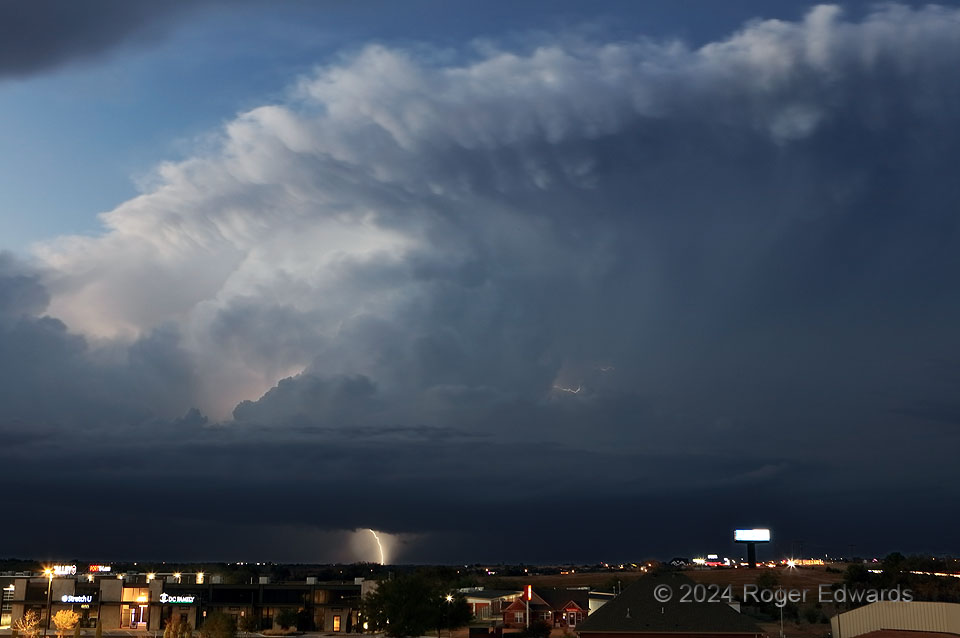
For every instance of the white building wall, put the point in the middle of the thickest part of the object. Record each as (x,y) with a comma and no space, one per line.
(913,616)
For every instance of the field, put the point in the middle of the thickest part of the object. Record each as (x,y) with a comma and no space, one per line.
(806,577)
(789,577)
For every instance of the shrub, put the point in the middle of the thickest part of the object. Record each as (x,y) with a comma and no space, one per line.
(286,618)
(28,624)
(249,624)
(65,619)
(219,625)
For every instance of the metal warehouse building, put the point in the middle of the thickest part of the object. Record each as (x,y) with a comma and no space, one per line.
(888,617)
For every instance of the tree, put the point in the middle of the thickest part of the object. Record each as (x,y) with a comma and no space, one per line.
(455,612)
(286,618)
(894,562)
(219,625)
(65,619)
(28,624)
(856,574)
(768,580)
(413,604)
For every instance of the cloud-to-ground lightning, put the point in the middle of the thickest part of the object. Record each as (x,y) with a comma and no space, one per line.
(379,545)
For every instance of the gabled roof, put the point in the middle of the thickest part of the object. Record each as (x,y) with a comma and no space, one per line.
(559,598)
(636,610)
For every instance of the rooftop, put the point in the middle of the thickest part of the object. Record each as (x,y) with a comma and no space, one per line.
(636,610)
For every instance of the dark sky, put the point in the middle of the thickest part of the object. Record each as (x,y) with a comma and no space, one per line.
(575,295)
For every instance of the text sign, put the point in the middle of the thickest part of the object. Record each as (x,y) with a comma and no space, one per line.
(167,599)
(65,570)
(68,598)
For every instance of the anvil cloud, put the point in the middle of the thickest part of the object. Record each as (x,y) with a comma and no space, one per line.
(678,284)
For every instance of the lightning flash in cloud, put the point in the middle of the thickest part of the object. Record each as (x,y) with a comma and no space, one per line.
(570,390)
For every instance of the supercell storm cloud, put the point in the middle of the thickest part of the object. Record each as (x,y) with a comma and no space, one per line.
(426,284)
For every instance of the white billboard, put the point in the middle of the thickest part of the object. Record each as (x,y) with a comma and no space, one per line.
(751,535)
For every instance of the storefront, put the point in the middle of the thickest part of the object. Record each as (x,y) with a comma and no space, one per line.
(146,602)
(84,603)
(181,606)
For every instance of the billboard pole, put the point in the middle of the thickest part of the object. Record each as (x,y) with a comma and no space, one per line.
(751,537)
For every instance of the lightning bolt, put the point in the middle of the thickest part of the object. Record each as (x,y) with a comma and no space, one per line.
(570,390)
(377,538)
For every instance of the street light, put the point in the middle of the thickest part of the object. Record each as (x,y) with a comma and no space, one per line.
(48,572)
(449,629)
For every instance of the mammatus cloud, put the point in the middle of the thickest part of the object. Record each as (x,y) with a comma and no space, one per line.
(735,254)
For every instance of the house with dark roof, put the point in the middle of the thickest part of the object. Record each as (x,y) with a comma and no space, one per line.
(488,604)
(556,606)
(637,613)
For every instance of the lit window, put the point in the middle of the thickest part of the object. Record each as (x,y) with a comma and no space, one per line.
(336,623)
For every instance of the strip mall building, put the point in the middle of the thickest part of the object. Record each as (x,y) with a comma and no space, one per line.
(147,601)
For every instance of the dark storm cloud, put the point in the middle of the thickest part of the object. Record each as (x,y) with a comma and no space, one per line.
(51,378)
(672,290)
(460,500)
(45,35)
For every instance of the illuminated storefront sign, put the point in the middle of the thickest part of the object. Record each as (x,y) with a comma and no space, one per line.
(167,599)
(65,570)
(68,598)
(100,568)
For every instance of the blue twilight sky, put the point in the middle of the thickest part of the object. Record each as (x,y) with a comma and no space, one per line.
(677,266)
(81,133)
